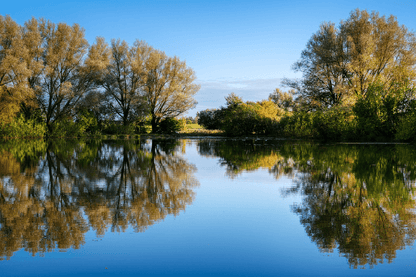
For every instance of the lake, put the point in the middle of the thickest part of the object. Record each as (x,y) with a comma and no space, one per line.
(206,207)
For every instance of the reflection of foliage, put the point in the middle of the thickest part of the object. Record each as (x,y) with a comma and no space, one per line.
(239,155)
(357,198)
(24,152)
(90,184)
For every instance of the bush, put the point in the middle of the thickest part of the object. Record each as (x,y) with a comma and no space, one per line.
(116,128)
(210,119)
(66,128)
(337,123)
(169,125)
(381,111)
(88,123)
(245,119)
(249,118)
(299,125)
(23,128)
(406,129)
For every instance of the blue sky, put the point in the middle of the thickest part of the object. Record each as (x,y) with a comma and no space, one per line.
(245,47)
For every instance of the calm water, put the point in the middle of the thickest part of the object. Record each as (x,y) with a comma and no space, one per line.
(208,207)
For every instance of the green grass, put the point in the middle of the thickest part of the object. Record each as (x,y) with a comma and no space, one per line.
(194,126)
(189,127)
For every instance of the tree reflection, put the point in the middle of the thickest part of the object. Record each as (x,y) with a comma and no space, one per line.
(240,155)
(75,186)
(358,199)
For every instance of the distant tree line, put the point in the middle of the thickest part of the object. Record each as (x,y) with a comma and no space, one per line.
(358,83)
(52,82)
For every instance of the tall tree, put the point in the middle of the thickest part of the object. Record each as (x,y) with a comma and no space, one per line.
(169,87)
(340,64)
(62,70)
(124,79)
(13,70)
(282,99)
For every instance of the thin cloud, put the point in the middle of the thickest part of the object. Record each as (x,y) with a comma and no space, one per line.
(212,92)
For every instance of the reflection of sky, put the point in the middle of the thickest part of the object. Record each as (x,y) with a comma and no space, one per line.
(220,40)
(234,227)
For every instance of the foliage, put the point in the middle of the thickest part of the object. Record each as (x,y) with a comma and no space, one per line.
(183,124)
(341,64)
(249,118)
(14,88)
(170,125)
(124,78)
(406,128)
(336,124)
(380,111)
(284,100)
(50,68)
(115,128)
(210,119)
(88,122)
(239,118)
(63,71)
(169,87)
(20,127)
(299,125)
(66,127)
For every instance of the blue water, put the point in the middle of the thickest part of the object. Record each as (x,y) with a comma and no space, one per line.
(239,226)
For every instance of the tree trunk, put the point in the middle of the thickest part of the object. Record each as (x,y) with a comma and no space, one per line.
(154,124)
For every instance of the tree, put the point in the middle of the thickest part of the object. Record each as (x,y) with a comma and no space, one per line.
(124,79)
(210,118)
(169,87)
(282,99)
(62,72)
(340,64)
(13,70)
(232,100)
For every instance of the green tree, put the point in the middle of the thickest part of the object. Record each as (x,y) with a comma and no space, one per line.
(13,70)
(282,99)
(169,87)
(340,64)
(210,118)
(248,118)
(124,80)
(62,69)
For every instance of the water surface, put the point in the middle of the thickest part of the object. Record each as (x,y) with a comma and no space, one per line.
(206,207)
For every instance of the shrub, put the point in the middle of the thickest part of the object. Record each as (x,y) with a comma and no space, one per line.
(116,128)
(210,119)
(380,112)
(169,125)
(337,123)
(299,125)
(406,129)
(23,128)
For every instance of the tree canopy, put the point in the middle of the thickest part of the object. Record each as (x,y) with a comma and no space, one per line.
(340,63)
(169,87)
(50,72)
